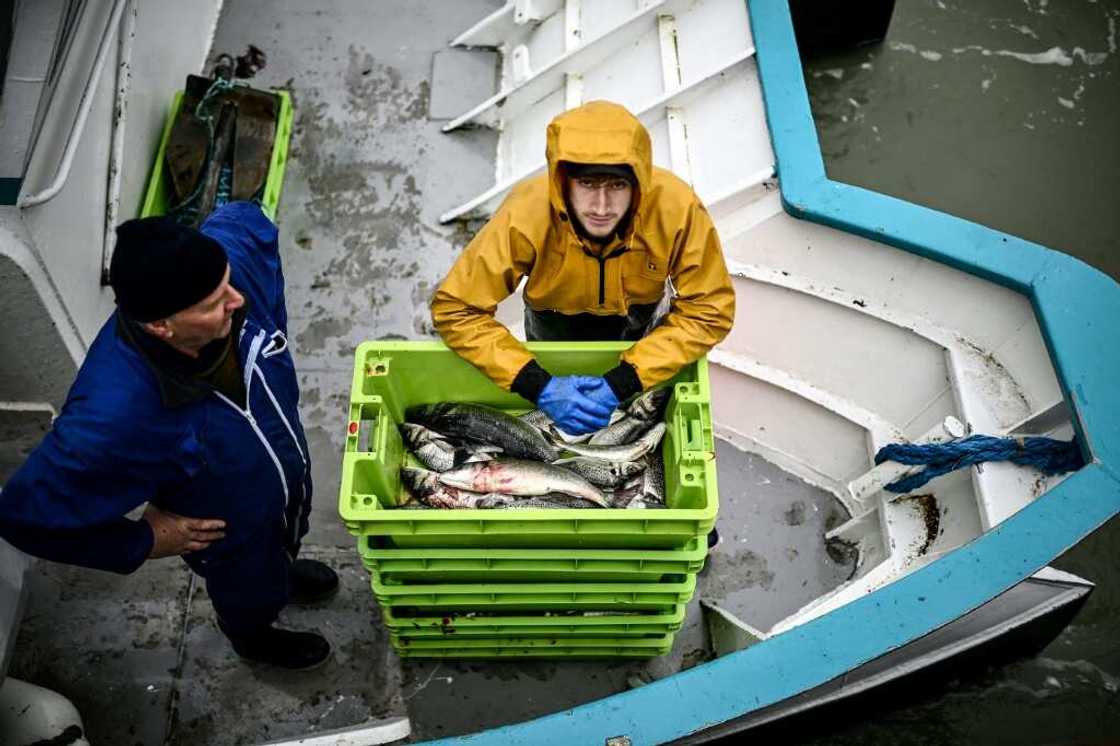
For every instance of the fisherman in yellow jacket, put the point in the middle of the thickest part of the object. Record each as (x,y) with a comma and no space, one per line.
(603,238)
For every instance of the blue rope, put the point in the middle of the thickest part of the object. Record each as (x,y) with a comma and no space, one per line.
(1045,454)
(225,186)
(186,211)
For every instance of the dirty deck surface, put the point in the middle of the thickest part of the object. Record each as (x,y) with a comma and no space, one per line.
(141,657)
(370,172)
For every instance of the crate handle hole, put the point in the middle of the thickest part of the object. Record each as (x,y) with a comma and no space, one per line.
(378,367)
(689,477)
(367,501)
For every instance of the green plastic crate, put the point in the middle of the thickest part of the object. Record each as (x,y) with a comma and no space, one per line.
(156,196)
(493,625)
(664,596)
(434,565)
(389,377)
(566,648)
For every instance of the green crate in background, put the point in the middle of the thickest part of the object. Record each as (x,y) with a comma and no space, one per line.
(389,377)
(566,648)
(445,565)
(664,596)
(156,195)
(608,624)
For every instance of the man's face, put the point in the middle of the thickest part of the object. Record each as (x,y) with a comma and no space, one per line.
(600,202)
(209,319)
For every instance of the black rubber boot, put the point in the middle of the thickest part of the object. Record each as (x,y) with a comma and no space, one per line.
(713,542)
(296,651)
(312,582)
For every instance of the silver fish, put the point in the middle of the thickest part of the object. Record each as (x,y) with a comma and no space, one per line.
(653,478)
(435,451)
(629,452)
(634,495)
(485,424)
(640,503)
(627,493)
(544,423)
(601,473)
(521,477)
(651,405)
(425,487)
(560,437)
(626,430)
(494,500)
(553,501)
(537,418)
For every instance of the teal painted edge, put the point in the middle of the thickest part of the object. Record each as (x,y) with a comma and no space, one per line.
(1077,308)
(827,647)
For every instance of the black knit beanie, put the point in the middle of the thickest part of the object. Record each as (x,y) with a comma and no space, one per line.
(160,267)
(588,170)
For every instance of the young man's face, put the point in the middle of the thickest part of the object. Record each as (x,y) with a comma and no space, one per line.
(600,202)
(209,319)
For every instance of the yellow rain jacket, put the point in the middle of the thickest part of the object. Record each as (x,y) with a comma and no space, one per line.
(669,234)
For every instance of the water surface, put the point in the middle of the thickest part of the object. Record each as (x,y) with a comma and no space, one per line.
(1007,113)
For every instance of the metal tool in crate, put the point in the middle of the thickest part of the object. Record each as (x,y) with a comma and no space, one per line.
(220,145)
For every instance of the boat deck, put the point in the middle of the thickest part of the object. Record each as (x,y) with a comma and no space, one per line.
(369,175)
(143,661)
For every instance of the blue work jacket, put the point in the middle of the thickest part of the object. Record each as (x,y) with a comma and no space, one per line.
(129,433)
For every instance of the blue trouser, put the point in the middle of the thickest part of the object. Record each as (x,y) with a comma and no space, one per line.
(250,586)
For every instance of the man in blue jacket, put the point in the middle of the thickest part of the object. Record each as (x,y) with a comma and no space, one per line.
(187,401)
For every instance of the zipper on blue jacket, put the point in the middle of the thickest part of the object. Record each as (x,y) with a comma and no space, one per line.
(247,413)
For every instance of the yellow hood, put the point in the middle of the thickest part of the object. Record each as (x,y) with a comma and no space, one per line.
(597,132)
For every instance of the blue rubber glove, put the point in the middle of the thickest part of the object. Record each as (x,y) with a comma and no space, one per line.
(571,410)
(598,390)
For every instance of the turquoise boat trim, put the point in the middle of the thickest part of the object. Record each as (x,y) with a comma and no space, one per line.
(827,647)
(1076,306)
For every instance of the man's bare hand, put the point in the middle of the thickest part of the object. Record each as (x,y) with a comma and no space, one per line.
(177,534)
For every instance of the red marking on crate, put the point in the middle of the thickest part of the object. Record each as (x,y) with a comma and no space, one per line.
(353,427)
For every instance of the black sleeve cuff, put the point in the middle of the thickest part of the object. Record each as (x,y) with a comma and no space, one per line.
(624,381)
(530,381)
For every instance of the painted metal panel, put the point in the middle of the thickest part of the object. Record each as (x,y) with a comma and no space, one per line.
(61,228)
(849,353)
(761,417)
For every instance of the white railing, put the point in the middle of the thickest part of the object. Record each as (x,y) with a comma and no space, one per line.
(72,140)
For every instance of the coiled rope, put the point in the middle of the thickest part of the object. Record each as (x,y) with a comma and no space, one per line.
(1045,454)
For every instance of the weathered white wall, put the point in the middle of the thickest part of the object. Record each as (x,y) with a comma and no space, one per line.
(172,40)
(50,254)
(29,60)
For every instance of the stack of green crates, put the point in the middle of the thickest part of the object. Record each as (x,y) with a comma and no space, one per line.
(591,583)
